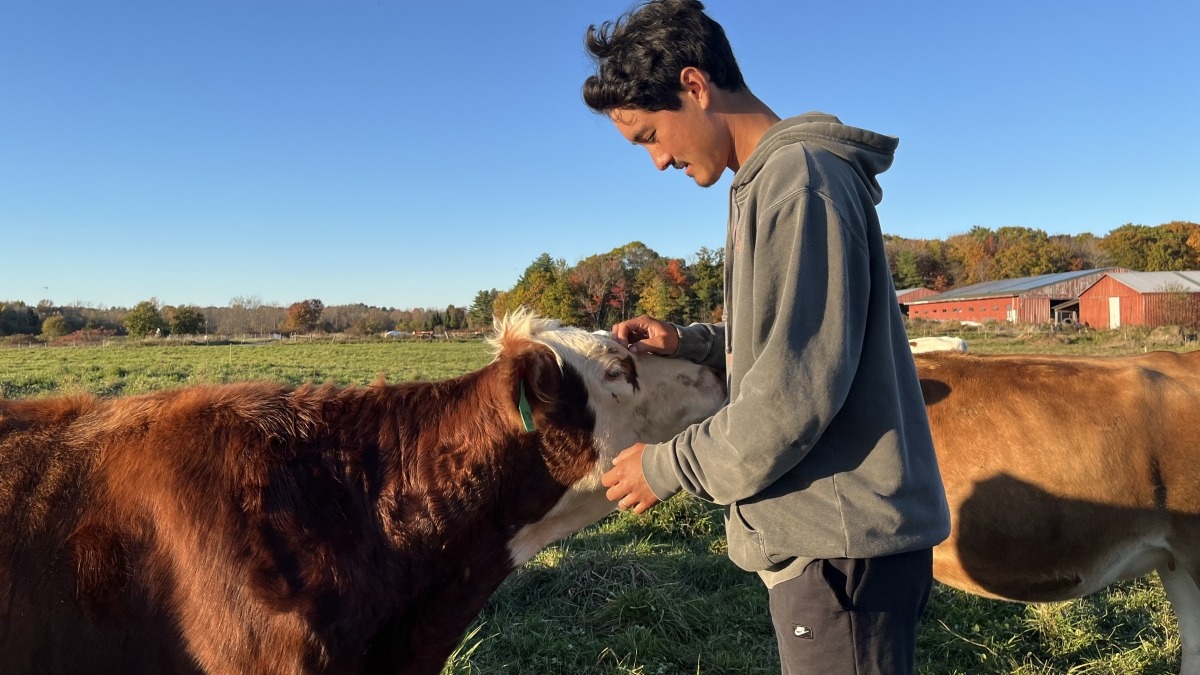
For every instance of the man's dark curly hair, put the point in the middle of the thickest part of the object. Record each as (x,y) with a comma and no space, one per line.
(640,56)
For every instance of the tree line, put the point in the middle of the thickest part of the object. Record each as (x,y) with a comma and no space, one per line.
(607,288)
(633,279)
(245,316)
(983,254)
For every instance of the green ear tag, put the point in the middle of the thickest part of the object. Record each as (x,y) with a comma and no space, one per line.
(526,413)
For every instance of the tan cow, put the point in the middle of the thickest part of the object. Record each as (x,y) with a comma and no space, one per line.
(1067,474)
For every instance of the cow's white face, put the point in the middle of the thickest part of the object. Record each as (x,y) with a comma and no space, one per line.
(634,399)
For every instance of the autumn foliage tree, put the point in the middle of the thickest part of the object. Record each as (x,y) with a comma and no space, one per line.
(1170,247)
(663,289)
(1027,252)
(1175,248)
(918,263)
(304,316)
(545,288)
(606,288)
(595,281)
(1128,245)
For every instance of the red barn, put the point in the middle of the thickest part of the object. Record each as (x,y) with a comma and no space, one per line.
(1046,298)
(907,295)
(1142,299)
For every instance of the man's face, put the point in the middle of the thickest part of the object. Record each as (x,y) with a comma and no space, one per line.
(686,139)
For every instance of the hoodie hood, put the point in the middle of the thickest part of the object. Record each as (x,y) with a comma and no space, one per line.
(868,152)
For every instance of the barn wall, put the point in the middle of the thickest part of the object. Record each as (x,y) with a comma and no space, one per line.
(1093,304)
(981,310)
(915,295)
(1137,309)
(1033,310)
(1171,309)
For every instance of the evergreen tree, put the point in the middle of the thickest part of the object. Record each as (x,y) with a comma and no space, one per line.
(481,312)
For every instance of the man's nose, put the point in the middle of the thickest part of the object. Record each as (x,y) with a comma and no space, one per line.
(662,160)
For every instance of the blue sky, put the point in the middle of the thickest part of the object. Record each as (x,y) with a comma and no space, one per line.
(411,154)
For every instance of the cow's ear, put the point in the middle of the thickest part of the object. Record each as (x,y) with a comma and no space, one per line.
(538,371)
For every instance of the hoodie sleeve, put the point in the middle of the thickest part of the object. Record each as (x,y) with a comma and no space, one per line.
(801,282)
(702,343)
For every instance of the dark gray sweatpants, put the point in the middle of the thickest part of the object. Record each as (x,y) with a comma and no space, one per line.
(852,617)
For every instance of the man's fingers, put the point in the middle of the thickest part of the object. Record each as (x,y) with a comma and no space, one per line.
(644,347)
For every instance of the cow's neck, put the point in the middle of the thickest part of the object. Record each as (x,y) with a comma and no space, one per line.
(461,436)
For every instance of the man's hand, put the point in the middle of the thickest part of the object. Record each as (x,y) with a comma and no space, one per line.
(626,483)
(647,335)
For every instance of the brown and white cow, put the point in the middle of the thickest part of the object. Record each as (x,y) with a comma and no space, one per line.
(1067,474)
(258,528)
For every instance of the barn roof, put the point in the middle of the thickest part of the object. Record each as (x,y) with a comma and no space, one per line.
(903,291)
(1059,284)
(1160,282)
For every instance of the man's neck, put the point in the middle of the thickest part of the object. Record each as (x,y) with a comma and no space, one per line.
(747,119)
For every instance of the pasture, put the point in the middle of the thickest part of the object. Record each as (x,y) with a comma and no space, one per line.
(651,594)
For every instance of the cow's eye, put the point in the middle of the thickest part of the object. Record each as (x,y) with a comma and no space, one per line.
(614,373)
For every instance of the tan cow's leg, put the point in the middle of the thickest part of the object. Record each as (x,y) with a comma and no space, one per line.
(1183,590)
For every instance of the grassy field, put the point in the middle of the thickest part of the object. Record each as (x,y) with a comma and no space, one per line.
(652,594)
(135,368)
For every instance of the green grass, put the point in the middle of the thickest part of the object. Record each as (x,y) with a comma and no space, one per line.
(652,594)
(642,595)
(136,369)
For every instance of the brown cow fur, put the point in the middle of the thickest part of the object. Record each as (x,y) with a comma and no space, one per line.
(257,528)
(1066,474)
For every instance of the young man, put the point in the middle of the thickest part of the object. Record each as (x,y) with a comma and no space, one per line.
(823,456)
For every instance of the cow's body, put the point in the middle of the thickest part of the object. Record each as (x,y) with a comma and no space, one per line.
(1067,474)
(256,528)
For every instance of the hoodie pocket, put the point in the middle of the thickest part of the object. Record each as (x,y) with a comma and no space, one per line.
(747,546)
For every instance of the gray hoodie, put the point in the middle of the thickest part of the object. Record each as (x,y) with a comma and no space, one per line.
(824,449)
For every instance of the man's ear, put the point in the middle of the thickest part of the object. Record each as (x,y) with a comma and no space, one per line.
(695,84)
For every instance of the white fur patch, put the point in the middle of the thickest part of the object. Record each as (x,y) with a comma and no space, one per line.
(646,399)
